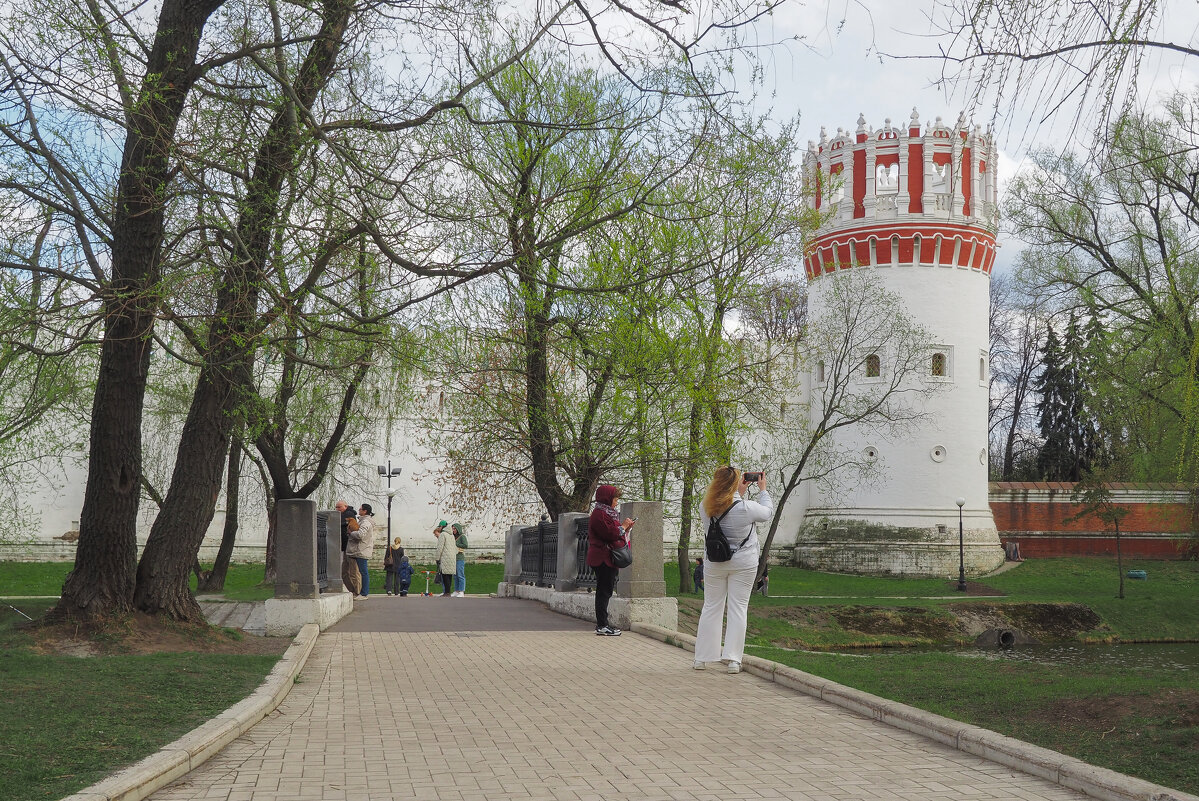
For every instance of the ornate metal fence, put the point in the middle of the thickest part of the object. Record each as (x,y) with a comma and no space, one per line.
(322,550)
(539,554)
(584,576)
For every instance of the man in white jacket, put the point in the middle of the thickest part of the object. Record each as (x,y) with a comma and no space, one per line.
(361,543)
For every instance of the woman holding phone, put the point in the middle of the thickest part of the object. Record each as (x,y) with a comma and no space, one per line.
(727,585)
(605,532)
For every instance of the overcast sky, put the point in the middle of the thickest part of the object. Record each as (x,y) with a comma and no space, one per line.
(838,72)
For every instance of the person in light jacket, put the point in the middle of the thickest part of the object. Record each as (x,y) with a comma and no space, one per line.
(727,585)
(446,556)
(605,532)
(460,560)
(362,542)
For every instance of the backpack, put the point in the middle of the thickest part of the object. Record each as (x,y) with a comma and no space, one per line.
(716,544)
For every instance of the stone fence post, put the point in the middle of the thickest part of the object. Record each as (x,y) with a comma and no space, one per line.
(644,578)
(512,549)
(333,551)
(295,555)
(568,551)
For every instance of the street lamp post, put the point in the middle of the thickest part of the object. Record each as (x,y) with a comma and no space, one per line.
(389,471)
(961,549)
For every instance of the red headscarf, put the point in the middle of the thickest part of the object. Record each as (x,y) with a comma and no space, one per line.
(605,494)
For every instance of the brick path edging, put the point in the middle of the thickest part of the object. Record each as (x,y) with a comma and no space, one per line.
(1101,783)
(202,743)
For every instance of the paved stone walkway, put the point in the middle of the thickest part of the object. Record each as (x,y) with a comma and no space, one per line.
(478,714)
(249,616)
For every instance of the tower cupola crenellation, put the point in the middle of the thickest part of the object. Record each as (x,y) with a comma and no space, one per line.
(903,196)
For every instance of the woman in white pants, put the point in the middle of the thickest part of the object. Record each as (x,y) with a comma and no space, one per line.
(727,585)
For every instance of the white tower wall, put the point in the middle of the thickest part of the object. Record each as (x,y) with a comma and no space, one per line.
(925,231)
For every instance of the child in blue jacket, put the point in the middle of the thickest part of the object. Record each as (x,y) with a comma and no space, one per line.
(405,575)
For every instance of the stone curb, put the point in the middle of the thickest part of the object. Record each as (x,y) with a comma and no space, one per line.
(1101,783)
(200,744)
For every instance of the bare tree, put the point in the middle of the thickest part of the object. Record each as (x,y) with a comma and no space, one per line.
(856,314)
(1044,58)
(1017,334)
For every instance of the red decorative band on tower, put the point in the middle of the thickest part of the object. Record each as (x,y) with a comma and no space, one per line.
(897,197)
(910,243)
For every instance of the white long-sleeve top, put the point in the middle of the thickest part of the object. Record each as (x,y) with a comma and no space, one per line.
(741,517)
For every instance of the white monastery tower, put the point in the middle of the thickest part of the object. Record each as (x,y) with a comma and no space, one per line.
(919,211)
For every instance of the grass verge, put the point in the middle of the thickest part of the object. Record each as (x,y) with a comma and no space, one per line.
(67,722)
(1139,722)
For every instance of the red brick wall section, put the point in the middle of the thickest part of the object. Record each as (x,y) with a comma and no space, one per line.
(1161,517)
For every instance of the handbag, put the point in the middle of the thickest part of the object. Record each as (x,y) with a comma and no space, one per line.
(388,560)
(621,557)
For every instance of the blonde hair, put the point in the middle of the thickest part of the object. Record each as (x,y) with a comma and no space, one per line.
(722,492)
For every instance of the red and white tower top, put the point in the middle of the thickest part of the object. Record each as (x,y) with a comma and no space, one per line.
(899,197)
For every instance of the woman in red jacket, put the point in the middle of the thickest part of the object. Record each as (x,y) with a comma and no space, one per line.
(604,532)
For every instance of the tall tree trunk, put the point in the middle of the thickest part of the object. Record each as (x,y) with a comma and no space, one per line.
(214,580)
(690,469)
(103,580)
(272,539)
(541,439)
(189,505)
(1009,445)
(226,380)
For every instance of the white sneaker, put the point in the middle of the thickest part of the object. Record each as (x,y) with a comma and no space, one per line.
(460,594)
(734,667)
(698,665)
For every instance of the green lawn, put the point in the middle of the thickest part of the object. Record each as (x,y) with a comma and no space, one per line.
(32,578)
(242,583)
(67,722)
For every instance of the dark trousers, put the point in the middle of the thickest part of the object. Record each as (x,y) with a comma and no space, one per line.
(392,583)
(605,585)
(447,583)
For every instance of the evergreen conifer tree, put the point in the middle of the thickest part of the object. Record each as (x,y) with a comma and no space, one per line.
(1069,445)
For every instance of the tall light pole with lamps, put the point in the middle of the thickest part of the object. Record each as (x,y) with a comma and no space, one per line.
(961,549)
(389,472)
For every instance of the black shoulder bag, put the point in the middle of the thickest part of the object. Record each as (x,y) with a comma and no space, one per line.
(716,544)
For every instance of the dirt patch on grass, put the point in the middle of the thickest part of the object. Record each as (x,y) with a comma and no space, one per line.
(1046,622)
(953,624)
(142,634)
(900,621)
(1177,708)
